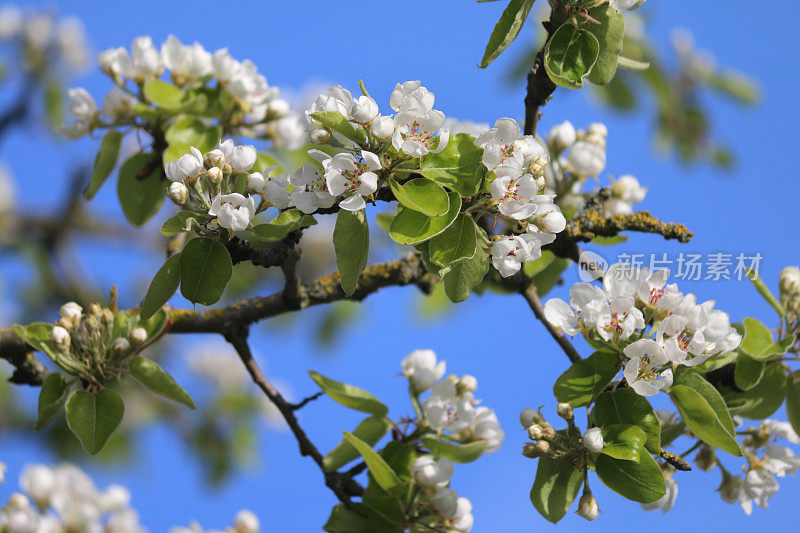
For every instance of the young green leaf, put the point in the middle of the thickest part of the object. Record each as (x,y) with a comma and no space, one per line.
(351,243)
(465,275)
(52,396)
(163,94)
(570,55)
(422,195)
(757,341)
(381,472)
(764,291)
(180,222)
(624,406)
(205,268)
(187,132)
(459,453)
(765,398)
(104,163)
(162,288)
(506,30)
(640,481)
(555,487)
(456,243)
(349,396)
(609,33)
(748,371)
(412,227)
(586,378)
(338,122)
(283,224)
(623,441)
(703,415)
(94,417)
(458,167)
(139,188)
(370,430)
(154,378)
(793,402)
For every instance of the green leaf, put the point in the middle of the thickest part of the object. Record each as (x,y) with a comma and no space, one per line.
(758,343)
(349,396)
(422,195)
(369,430)
(765,398)
(187,132)
(163,94)
(381,472)
(506,30)
(456,243)
(458,167)
(555,487)
(701,411)
(283,224)
(351,242)
(139,188)
(104,163)
(748,371)
(338,122)
(205,268)
(586,378)
(570,55)
(162,288)
(624,406)
(609,34)
(51,398)
(94,417)
(623,441)
(459,453)
(764,291)
(154,378)
(465,275)
(793,402)
(180,222)
(343,520)
(412,227)
(640,481)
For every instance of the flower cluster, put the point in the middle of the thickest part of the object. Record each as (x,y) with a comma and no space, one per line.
(260,111)
(433,475)
(759,484)
(580,154)
(64,498)
(789,286)
(681,331)
(44,40)
(451,406)
(516,165)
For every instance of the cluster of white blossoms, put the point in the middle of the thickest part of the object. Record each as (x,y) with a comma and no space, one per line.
(433,476)
(265,112)
(789,287)
(683,331)
(583,154)
(64,499)
(759,484)
(516,165)
(451,406)
(41,35)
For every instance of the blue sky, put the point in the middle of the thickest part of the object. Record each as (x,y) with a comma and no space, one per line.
(752,209)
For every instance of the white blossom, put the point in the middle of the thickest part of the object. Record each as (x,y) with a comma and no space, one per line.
(353,178)
(185,62)
(416,122)
(593,440)
(422,369)
(290,132)
(240,157)
(310,189)
(586,158)
(514,195)
(178,193)
(487,428)
(382,127)
(276,190)
(234,211)
(445,502)
(145,61)
(508,254)
(642,369)
(336,99)
(463,519)
(587,507)
(71,312)
(117,103)
(430,472)
(443,409)
(185,167)
(364,110)
(561,136)
(246,522)
(60,337)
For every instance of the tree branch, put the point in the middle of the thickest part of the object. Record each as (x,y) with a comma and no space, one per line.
(342,485)
(528,291)
(540,88)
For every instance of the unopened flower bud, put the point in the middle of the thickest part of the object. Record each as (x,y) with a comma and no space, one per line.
(364,110)
(536,167)
(256,183)
(95,310)
(564,410)
(246,522)
(706,459)
(60,337)
(214,175)
(540,182)
(593,440)
(214,158)
(122,345)
(138,335)
(548,432)
(178,193)
(530,450)
(71,313)
(529,416)
(319,136)
(382,127)
(543,447)
(467,383)
(535,432)
(277,109)
(597,128)
(729,488)
(596,140)
(108,318)
(587,507)
(561,137)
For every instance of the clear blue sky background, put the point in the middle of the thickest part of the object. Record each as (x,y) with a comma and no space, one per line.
(753,209)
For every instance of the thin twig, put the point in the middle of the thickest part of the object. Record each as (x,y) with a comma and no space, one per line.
(528,291)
